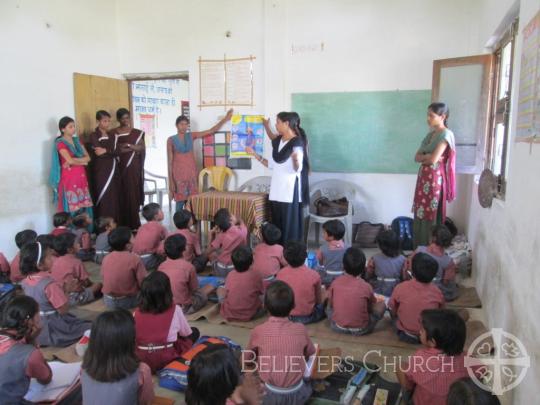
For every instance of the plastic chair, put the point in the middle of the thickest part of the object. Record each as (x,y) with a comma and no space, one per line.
(217,177)
(332,189)
(152,189)
(260,184)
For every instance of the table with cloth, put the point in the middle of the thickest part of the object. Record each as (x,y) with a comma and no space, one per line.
(252,208)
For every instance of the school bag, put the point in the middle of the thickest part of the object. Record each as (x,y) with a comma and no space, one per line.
(174,375)
(403,227)
(7,292)
(366,234)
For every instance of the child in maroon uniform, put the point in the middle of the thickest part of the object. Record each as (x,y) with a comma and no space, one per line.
(148,243)
(183,220)
(162,331)
(61,223)
(268,256)
(67,268)
(411,297)
(433,368)
(241,296)
(305,283)
(281,349)
(183,277)
(228,234)
(21,238)
(352,307)
(60,328)
(83,238)
(20,357)
(122,272)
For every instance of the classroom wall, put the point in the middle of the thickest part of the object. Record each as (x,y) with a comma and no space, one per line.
(505,237)
(43,43)
(378,46)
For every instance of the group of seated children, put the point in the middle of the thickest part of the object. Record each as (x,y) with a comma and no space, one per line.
(126,348)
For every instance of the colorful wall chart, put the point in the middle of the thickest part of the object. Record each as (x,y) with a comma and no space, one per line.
(247,130)
(215,149)
(528,119)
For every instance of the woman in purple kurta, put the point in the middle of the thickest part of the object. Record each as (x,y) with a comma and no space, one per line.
(130,143)
(105,169)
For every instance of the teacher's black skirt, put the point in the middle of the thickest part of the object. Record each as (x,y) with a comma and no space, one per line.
(289,218)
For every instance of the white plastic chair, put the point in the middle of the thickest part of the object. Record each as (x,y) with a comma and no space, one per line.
(151,188)
(332,189)
(259,184)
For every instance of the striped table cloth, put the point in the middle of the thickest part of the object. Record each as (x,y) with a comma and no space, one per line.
(252,208)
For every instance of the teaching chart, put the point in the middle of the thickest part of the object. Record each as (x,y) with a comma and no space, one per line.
(246,131)
(528,120)
(226,82)
(212,78)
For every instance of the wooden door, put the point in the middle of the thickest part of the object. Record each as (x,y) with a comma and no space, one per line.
(93,93)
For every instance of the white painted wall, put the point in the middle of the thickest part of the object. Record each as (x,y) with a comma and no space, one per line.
(367,46)
(506,238)
(43,43)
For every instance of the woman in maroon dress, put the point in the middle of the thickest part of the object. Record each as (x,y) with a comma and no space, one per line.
(131,146)
(105,170)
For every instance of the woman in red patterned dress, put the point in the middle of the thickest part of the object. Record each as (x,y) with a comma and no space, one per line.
(436,177)
(68,171)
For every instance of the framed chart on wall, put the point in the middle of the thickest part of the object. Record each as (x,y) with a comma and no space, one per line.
(216,151)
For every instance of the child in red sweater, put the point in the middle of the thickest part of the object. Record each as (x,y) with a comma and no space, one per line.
(268,256)
(433,368)
(305,283)
(241,296)
(352,307)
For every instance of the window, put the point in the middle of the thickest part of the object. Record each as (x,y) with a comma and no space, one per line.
(501,86)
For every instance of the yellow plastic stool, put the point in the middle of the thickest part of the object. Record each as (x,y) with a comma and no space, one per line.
(217,177)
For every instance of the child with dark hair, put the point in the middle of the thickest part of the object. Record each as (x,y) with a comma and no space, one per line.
(330,254)
(105,226)
(111,372)
(440,362)
(60,328)
(183,220)
(83,239)
(183,276)
(305,283)
(276,342)
(352,307)
(268,256)
(227,234)
(61,223)
(215,378)
(161,329)
(21,239)
(240,298)
(122,272)
(70,273)
(384,269)
(148,243)
(466,392)
(411,297)
(20,357)
(445,279)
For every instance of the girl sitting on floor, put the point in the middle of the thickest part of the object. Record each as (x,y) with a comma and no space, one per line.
(161,329)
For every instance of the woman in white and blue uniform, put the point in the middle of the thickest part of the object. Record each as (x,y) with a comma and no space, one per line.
(289,189)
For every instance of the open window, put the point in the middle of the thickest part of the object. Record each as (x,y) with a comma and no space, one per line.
(464,85)
(497,140)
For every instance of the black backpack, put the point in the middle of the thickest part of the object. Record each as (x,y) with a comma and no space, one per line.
(403,227)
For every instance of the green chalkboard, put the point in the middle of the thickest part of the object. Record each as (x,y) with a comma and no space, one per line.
(364,132)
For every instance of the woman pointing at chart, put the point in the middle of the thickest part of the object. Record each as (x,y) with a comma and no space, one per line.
(181,159)
(289,189)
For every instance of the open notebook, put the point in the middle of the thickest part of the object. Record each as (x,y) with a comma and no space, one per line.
(65,375)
